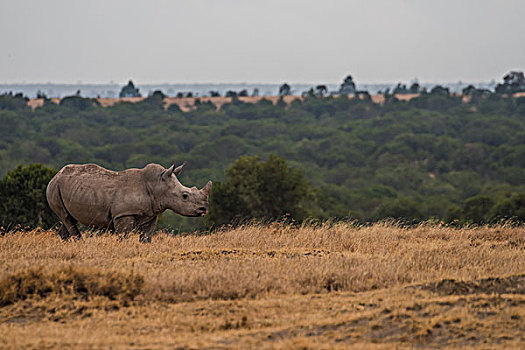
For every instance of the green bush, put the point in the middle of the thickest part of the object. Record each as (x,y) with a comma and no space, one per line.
(23,200)
(510,208)
(259,190)
(401,208)
(476,209)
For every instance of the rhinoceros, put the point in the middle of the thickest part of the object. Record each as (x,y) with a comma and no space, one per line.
(122,201)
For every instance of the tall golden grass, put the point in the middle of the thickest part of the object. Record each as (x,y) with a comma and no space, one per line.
(268,270)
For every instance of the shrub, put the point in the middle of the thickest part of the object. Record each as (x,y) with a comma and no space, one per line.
(259,190)
(23,198)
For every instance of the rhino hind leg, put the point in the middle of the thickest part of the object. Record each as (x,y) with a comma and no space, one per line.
(66,234)
(69,227)
(63,232)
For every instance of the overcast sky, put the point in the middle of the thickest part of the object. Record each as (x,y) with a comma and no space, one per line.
(264,41)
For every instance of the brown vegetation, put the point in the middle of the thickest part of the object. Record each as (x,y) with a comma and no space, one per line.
(331,286)
(185,103)
(188,103)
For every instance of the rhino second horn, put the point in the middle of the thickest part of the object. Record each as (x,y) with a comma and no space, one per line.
(206,189)
(178,170)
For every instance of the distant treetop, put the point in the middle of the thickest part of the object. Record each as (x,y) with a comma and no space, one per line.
(512,82)
(284,90)
(129,90)
(158,94)
(321,90)
(415,88)
(401,89)
(440,90)
(348,86)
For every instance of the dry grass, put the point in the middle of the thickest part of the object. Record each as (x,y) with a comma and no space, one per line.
(185,103)
(273,286)
(83,283)
(188,103)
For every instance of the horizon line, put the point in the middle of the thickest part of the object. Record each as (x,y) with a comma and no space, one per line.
(245,83)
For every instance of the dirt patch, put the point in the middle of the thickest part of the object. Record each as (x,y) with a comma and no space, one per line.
(493,285)
(205,255)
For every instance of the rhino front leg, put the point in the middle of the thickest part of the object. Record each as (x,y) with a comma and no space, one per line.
(124,224)
(147,229)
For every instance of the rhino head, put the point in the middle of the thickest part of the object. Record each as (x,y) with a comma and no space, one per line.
(181,199)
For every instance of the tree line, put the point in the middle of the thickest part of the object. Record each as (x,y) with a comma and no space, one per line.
(439,155)
(513,82)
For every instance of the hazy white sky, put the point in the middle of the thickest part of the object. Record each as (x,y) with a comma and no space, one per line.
(265,41)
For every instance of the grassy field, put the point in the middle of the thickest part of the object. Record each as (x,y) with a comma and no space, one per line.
(327,287)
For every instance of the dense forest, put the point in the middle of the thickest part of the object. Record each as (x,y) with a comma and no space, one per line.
(438,155)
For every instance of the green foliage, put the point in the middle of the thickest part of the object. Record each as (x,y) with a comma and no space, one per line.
(78,102)
(13,102)
(399,208)
(476,209)
(512,82)
(261,190)
(23,198)
(510,208)
(364,160)
(155,100)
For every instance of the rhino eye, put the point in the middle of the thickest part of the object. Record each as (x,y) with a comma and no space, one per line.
(185,196)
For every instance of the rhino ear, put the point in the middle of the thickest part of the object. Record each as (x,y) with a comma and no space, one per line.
(178,169)
(206,189)
(167,173)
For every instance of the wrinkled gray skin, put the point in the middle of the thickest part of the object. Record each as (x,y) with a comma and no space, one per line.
(122,201)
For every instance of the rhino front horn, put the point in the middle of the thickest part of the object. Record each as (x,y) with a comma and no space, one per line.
(206,189)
